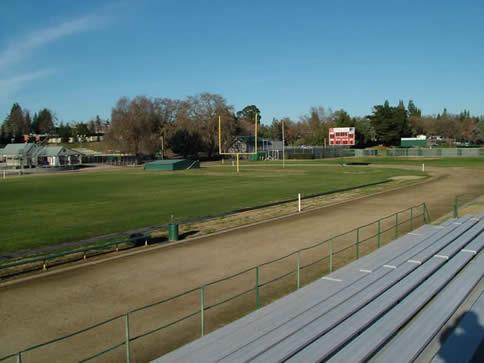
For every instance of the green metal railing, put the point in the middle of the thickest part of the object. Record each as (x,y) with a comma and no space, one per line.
(246,291)
(462,199)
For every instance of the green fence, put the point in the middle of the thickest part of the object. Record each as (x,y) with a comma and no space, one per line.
(150,331)
(422,152)
(463,199)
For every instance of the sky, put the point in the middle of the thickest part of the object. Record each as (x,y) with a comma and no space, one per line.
(78,58)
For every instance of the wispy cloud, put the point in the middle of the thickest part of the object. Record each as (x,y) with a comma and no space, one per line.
(19,49)
(11,85)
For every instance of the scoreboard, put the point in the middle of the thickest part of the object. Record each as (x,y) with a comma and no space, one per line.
(342,136)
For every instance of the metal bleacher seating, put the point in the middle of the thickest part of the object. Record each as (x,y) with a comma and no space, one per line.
(388,306)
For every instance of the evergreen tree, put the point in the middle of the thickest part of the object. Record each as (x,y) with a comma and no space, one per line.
(28,121)
(343,119)
(64,131)
(445,114)
(34,127)
(390,123)
(15,124)
(45,121)
(413,111)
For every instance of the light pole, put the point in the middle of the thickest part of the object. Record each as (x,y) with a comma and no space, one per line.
(283,151)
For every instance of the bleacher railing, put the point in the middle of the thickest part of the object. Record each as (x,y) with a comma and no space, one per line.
(152,330)
(461,200)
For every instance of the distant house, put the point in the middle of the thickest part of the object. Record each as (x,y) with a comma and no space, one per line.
(31,155)
(58,156)
(35,137)
(20,155)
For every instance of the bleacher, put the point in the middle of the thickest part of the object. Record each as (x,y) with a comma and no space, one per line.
(393,305)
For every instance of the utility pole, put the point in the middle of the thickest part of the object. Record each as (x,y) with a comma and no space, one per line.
(283,151)
(162,139)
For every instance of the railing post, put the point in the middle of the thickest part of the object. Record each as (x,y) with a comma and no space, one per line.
(396,225)
(126,331)
(298,270)
(257,293)
(379,234)
(358,243)
(330,255)
(411,218)
(19,357)
(202,311)
(456,208)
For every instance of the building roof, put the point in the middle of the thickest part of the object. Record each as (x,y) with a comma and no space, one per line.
(34,150)
(18,149)
(56,151)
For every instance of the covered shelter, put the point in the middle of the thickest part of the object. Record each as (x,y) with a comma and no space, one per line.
(30,155)
(58,156)
(20,155)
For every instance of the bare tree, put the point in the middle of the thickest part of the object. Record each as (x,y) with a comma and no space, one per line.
(135,126)
(204,111)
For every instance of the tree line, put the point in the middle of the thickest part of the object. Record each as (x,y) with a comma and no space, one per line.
(143,125)
(188,126)
(20,123)
(386,125)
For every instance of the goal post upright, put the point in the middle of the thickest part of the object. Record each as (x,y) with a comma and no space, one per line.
(237,154)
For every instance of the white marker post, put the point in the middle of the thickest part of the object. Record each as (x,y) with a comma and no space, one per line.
(299,202)
(423,167)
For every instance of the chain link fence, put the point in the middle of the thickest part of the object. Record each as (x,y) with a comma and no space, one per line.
(422,152)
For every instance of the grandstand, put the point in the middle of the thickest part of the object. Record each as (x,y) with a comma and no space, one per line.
(397,304)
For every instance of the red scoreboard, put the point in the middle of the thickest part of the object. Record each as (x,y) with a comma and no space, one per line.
(342,136)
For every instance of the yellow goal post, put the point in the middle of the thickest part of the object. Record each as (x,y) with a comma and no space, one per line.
(237,154)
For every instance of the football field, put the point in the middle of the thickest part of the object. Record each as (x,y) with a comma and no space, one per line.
(42,210)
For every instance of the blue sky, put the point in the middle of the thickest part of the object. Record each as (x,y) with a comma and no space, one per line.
(78,58)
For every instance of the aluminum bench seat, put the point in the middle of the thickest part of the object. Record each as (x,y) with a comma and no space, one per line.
(367,343)
(291,306)
(281,342)
(407,345)
(355,290)
(317,342)
(251,336)
(462,344)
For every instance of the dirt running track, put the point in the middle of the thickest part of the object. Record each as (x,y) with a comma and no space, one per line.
(47,307)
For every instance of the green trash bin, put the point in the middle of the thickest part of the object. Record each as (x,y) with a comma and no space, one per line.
(173,232)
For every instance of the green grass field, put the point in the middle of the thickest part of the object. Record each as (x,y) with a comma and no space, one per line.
(42,210)
(467,162)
